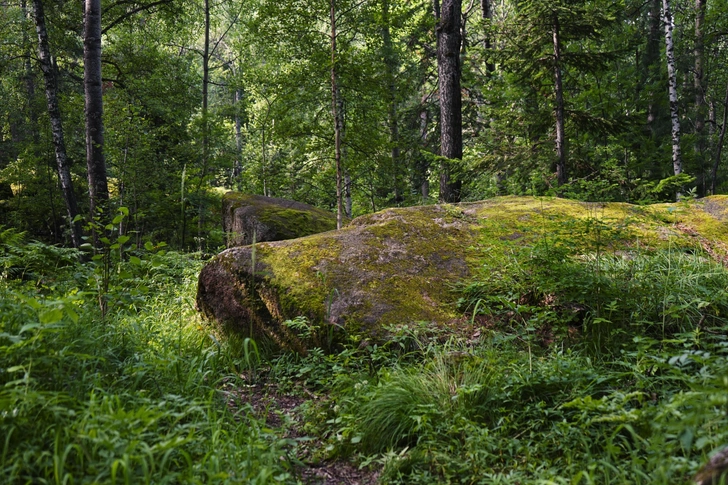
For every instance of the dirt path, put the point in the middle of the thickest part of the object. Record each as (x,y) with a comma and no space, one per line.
(281,412)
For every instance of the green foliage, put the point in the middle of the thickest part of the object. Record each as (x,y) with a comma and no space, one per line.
(137,400)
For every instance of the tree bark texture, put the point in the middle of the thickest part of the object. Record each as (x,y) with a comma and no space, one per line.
(559,108)
(486,8)
(54,113)
(205,128)
(338,120)
(390,62)
(700,88)
(719,147)
(651,60)
(96,165)
(672,87)
(448,70)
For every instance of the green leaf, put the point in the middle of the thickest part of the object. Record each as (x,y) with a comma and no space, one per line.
(117,219)
(148,246)
(51,316)
(72,314)
(123,239)
(135,261)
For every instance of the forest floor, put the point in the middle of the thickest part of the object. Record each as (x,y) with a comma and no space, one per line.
(569,364)
(282,411)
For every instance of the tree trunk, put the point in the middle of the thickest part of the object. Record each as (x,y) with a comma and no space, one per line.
(487,10)
(54,113)
(338,121)
(390,63)
(672,86)
(238,167)
(347,194)
(719,147)
(424,164)
(651,60)
(448,70)
(559,108)
(700,89)
(97,184)
(205,128)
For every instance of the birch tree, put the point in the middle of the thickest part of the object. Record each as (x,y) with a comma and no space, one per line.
(672,86)
(54,113)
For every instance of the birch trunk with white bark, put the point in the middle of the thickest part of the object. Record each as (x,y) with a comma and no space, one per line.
(54,113)
(672,86)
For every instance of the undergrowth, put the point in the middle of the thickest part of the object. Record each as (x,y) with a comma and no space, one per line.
(577,362)
(593,364)
(129,397)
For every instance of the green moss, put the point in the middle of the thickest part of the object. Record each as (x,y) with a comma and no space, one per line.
(399,266)
(292,223)
(274,219)
(387,268)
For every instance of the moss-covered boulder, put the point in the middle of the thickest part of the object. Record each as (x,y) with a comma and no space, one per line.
(270,219)
(399,266)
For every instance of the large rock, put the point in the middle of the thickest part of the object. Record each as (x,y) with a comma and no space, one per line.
(398,266)
(269,219)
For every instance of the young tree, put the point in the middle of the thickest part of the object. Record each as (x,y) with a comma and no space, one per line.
(338,116)
(549,39)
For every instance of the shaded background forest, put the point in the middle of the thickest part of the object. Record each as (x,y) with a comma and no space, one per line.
(203,97)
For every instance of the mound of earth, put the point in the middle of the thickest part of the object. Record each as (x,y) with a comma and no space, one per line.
(398,266)
(248,218)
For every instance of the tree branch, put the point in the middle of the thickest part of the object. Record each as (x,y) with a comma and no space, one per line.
(133,12)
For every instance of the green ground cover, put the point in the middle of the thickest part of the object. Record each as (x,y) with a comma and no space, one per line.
(574,364)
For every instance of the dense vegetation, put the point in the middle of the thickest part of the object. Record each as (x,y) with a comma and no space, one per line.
(575,362)
(199,96)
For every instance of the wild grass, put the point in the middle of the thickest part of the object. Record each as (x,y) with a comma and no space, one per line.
(132,397)
(593,366)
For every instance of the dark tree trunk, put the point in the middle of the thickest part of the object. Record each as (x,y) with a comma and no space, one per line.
(54,113)
(487,10)
(559,108)
(448,70)
(205,127)
(390,63)
(719,147)
(96,165)
(651,61)
(338,121)
(700,89)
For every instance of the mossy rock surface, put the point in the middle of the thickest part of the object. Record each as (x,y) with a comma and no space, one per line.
(398,266)
(255,217)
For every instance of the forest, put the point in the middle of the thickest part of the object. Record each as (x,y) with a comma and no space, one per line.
(579,144)
(327,102)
